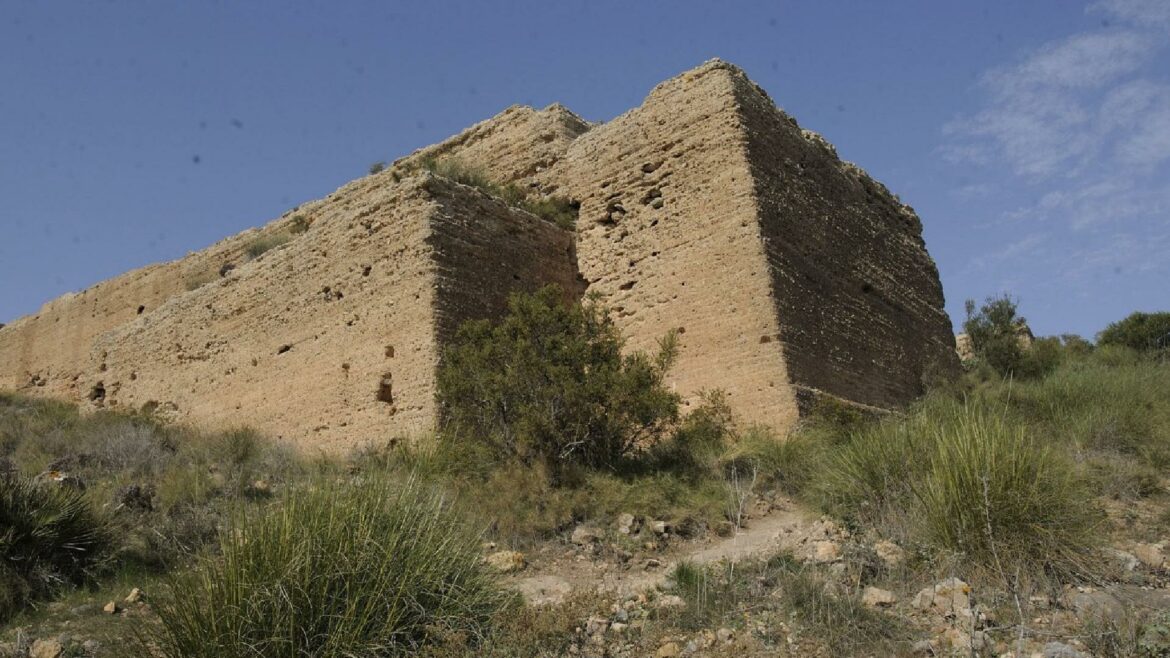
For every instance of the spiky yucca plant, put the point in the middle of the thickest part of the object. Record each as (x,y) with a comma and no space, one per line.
(49,537)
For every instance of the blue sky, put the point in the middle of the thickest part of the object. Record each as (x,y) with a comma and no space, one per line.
(1033,138)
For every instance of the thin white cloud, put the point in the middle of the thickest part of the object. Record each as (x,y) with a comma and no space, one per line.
(1082,61)
(1084,123)
(1032,245)
(1043,115)
(1140,112)
(1154,13)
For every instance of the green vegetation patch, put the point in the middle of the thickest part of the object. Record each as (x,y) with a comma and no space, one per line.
(338,570)
(50,538)
(549,384)
(558,210)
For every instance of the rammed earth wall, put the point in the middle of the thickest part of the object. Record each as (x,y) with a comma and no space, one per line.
(789,275)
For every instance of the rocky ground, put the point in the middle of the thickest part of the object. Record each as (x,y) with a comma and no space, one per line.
(630,565)
(619,581)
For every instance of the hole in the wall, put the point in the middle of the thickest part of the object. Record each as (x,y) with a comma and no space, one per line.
(516,277)
(765,339)
(97,393)
(283,348)
(225,268)
(366,270)
(627,285)
(866,288)
(389,351)
(386,389)
(682,330)
(141,308)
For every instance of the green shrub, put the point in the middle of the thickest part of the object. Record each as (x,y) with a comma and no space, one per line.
(557,210)
(696,445)
(49,538)
(266,243)
(549,383)
(299,224)
(1098,405)
(1075,345)
(1143,332)
(992,330)
(377,167)
(1043,357)
(370,569)
(995,330)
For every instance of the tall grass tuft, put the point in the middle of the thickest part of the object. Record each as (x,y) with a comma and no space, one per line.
(967,478)
(265,243)
(373,569)
(995,495)
(725,593)
(49,538)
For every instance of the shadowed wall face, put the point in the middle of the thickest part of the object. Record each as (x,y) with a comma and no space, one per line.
(857,296)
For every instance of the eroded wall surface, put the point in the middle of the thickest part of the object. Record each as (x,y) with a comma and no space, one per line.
(794,274)
(668,235)
(326,341)
(514,146)
(483,251)
(47,352)
(331,340)
(856,294)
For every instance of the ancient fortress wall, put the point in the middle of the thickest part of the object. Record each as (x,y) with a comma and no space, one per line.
(667,234)
(788,275)
(511,147)
(330,340)
(855,292)
(482,251)
(48,351)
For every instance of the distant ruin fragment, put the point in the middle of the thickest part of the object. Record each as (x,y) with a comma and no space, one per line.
(790,276)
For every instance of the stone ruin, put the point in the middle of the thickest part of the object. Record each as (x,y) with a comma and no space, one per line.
(789,275)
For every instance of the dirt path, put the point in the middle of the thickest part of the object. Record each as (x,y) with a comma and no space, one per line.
(553,577)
